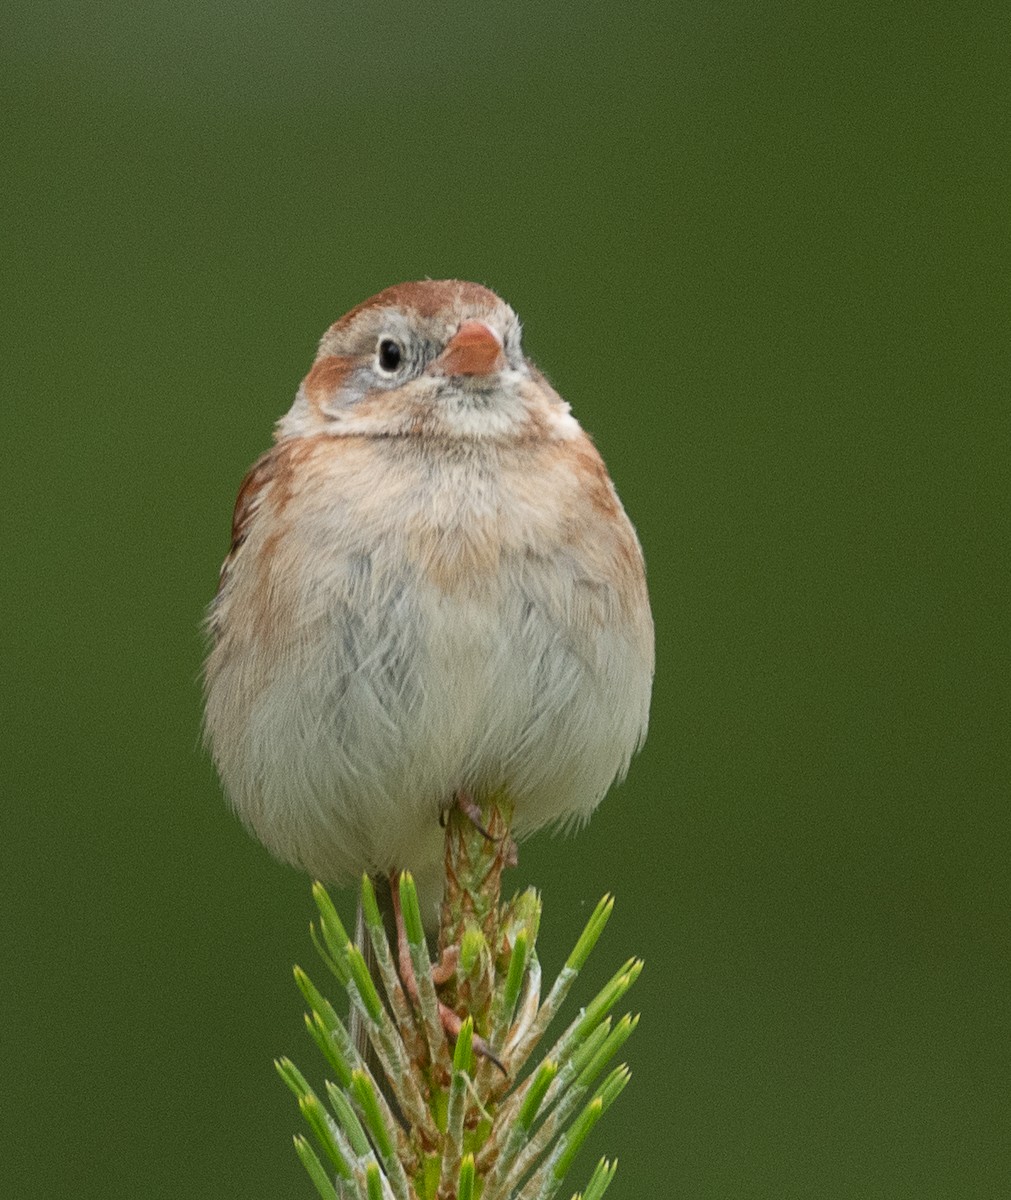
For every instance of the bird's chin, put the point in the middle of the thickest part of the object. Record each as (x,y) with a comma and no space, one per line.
(490,407)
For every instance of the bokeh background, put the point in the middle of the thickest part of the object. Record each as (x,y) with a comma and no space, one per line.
(762,249)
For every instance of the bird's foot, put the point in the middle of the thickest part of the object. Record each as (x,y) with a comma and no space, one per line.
(452,1022)
(470,808)
(442,972)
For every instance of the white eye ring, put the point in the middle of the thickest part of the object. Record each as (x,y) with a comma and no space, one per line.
(389,355)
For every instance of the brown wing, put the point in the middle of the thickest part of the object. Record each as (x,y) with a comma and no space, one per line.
(248,500)
(251,493)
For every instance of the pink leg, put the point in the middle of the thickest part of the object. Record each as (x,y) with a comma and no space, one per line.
(444,970)
(466,803)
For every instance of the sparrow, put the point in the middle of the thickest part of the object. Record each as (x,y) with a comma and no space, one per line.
(433,593)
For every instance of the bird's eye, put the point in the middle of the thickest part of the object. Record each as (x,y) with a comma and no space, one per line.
(390,354)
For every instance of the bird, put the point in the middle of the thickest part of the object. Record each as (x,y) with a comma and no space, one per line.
(433,595)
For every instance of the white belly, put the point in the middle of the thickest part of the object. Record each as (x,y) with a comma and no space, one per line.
(367,671)
(397,695)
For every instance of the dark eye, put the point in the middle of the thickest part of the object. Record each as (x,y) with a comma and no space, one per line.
(389,354)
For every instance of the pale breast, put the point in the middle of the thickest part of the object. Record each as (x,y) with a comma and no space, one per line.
(399,624)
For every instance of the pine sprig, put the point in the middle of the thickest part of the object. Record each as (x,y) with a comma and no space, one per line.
(456,1117)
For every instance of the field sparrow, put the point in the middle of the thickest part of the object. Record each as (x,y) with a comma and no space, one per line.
(433,591)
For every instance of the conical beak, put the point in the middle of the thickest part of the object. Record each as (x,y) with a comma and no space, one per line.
(475,349)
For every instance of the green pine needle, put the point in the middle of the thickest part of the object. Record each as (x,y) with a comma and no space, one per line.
(364,1092)
(348,1120)
(315,1169)
(363,981)
(600,1180)
(535,1096)
(465,1186)
(411,910)
(588,938)
(514,979)
(373,1182)
(609,995)
(463,1056)
(456,1119)
(370,905)
(317,1121)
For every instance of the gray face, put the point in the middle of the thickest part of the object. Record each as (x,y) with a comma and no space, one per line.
(442,358)
(396,349)
(392,346)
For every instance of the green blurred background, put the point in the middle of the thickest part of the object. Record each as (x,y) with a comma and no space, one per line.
(762,250)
